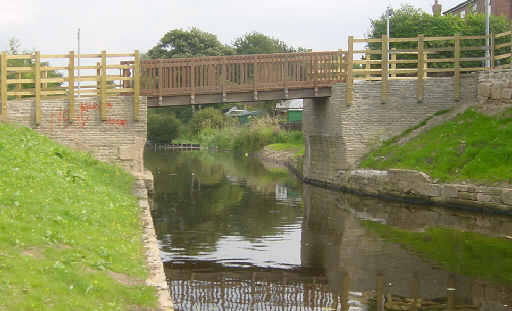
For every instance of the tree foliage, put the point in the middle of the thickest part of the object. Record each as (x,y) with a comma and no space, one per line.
(207,118)
(163,126)
(188,43)
(258,43)
(409,22)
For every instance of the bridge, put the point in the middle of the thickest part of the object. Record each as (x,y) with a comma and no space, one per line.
(372,91)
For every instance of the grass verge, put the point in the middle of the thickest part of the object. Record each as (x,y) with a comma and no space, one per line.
(460,252)
(70,236)
(471,146)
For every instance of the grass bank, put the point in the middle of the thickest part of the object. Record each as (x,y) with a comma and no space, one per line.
(470,147)
(475,254)
(70,237)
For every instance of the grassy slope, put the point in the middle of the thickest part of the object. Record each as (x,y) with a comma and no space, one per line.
(66,221)
(472,146)
(465,253)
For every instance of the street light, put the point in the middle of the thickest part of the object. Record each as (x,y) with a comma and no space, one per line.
(389,12)
(487,32)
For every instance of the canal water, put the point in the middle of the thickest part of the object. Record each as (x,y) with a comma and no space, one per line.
(235,234)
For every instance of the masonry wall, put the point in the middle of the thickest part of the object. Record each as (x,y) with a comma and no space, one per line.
(338,134)
(118,140)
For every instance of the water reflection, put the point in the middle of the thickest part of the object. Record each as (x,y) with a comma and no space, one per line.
(250,238)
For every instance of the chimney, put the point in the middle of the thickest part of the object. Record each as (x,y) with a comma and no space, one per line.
(437,8)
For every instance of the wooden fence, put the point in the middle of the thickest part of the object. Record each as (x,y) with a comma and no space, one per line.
(420,57)
(27,76)
(407,58)
(241,73)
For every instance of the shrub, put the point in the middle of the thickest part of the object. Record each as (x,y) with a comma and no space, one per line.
(163,127)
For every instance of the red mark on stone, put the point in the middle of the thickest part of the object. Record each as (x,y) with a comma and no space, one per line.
(118,122)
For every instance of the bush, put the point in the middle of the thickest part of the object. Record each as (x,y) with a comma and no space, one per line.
(163,127)
(208,118)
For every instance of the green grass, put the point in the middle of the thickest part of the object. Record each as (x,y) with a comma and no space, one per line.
(296,148)
(472,146)
(460,252)
(67,222)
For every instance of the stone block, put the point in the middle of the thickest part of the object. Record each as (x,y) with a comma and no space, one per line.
(485,198)
(449,192)
(506,196)
(430,190)
(496,90)
(484,90)
(467,196)
(506,93)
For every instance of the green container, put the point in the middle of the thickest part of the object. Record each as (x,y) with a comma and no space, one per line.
(294,115)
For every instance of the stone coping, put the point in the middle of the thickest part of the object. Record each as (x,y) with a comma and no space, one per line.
(418,188)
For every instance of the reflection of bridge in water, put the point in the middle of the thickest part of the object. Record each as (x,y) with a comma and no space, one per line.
(211,286)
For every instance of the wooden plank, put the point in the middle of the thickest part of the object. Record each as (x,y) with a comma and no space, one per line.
(473,37)
(457,67)
(395,40)
(503,45)
(52,68)
(54,55)
(20,56)
(120,55)
(71,86)
(493,51)
(30,92)
(103,86)
(447,38)
(20,69)
(45,93)
(136,86)
(500,57)
(384,67)
(192,84)
(3,83)
(20,81)
(348,70)
(504,34)
(393,65)
(420,83)
(37,83)
(367,40)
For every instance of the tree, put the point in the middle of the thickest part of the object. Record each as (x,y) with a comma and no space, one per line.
(409,22)
(163,127)
(210,118)
(258,43)
(14,48)
(188,43)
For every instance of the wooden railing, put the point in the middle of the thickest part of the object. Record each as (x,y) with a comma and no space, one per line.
(422,57)
(28,76)
(241,73)
(407,58)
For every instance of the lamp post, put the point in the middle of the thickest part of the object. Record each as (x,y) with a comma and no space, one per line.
(389,12)
(487,32)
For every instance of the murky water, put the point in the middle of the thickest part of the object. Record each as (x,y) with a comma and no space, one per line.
(236,235)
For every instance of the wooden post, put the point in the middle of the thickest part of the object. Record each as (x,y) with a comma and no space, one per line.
(103,86)
(493,52)
(223,78)
(285,76)
(380,292)
(368,65)
(349,67)
(71,86)
(192,83)
(420,82)
(136,86)
(160,82)
(384,69)
(339,76)
(315,73)
(3,83)
(457,67)
(37,82)
(393,63)
(344,297)
(18,85)
(255,82)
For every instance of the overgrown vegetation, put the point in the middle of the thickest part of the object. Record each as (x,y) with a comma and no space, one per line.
(471,146)
(475,254)
(70,237)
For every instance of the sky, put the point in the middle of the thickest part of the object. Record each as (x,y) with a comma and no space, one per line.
(50,26)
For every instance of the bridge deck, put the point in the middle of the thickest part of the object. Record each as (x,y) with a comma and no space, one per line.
(241,78)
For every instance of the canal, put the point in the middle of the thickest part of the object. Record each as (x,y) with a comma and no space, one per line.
(235,234)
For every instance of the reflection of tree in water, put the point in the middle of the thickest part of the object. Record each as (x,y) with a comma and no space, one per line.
(195,219)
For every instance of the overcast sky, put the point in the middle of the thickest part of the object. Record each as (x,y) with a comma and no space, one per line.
(125,25)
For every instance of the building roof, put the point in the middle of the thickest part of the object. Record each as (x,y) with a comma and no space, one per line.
(290,104)
(458,7)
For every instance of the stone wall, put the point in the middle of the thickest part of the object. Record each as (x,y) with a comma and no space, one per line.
(495,86)
(118,140)
(338,134)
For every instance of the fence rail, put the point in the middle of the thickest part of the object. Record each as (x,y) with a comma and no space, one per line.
(25,75)
(406,59)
